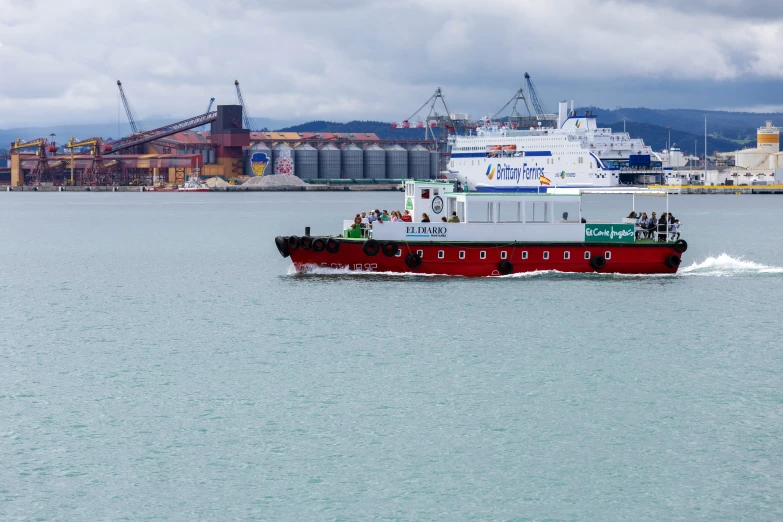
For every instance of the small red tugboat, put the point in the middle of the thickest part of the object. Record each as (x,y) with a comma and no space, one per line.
(497,234)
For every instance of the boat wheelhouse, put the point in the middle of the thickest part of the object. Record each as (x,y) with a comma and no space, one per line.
(497,234)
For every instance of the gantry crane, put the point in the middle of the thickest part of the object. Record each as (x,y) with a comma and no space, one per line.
(241,101)
(133,118)
(42,146)
(546,118)
(445,121)
(515,118)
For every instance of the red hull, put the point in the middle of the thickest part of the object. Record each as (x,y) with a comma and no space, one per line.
(636,258)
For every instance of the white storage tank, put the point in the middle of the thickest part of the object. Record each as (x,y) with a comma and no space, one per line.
(306,162)
(418,162)
(396,162)
(329,164)
(352,162)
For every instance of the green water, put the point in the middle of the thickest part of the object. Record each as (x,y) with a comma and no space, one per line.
(158,361)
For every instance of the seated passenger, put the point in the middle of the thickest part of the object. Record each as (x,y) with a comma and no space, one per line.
(443,218)
(425,218)
(385,216)
(565,216)
(633,215)
(407,216)
(372,217)
(454,218)
(395,216)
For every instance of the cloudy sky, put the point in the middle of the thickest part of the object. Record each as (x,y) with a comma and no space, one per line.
(381,59)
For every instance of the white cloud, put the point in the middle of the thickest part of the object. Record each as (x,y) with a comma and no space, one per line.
(363,59)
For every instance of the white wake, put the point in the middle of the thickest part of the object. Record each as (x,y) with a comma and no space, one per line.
(726,266)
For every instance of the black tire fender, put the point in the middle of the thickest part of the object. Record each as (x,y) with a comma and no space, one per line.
(389,249)
(598,262)
(680,246)
(294,242)
(371,247)
(306,242)
(332,245)
(413,260)
(673,261)
(318,244)
(505,267)
(282,246)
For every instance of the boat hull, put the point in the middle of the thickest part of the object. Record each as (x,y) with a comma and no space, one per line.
(485,259)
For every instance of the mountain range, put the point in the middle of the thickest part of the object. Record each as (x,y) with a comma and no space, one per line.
(728,131)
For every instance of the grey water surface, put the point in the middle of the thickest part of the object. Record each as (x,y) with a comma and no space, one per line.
(158,361)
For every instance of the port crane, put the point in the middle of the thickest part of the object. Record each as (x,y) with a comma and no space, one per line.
(40,147)
(446,122)
(241,101)
(546,118)
(133,118)
(515,118)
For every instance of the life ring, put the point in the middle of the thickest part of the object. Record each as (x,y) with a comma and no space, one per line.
(371,247)
(332,245)
(505,267)
(413,260)
(598,262)
(389,249)
(318,244)
(306,242)
(680,246)
(294,242)
(673,261)
(282,246)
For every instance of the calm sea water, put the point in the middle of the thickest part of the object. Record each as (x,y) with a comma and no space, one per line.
(158,361)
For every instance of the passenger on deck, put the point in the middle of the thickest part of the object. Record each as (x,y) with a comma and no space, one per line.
(675,230)
(385,216)
(454,218)
(407,216)
(443,218)
(633,215)
(395,216)
(663,226)
(371,217)
(425,218)
(364,217)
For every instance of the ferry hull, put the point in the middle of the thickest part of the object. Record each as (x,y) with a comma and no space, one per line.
(637,258)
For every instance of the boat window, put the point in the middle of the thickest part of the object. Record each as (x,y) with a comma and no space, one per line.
(479,211)
(509,212)
(546,255)
(566,255)
(462,254)
(503,254)
(607,255)
(483,254)
(587,254)
(524,254)
(538,212)
(440,254)
(566,211)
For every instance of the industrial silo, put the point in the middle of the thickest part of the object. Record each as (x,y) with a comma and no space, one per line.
(374,162)
(306,162)
(283,159)
(257,160)
(419,162)
(329,166)
(434,164)
(396,162)
(352,162)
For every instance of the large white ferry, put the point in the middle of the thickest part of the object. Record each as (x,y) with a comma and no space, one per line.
(578,154)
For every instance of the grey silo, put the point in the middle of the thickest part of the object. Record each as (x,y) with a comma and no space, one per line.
(329,165)
(396,162)
(277,151)
(352,162)
(257,147)
(434,164)
(306,162)
(374,162)
(419,162)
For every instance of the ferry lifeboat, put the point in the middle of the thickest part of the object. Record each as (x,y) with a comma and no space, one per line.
(497,234)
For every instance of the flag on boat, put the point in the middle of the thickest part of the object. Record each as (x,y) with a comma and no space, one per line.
(543,180)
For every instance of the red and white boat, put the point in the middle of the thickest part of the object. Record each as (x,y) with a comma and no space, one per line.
(498,234)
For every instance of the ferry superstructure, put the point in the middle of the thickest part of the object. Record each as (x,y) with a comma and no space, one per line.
(577,153)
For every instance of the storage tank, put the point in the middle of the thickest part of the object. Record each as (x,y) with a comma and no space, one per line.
(306,162)
(434,164)
(257,160)
(283,159)
(396,162)
(352,162)
(418,162)
(768,138)
(374,162)
(329,162)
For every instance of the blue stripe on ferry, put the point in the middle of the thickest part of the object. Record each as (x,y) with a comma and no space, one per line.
(541,188)
(538,153)
(598,162)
